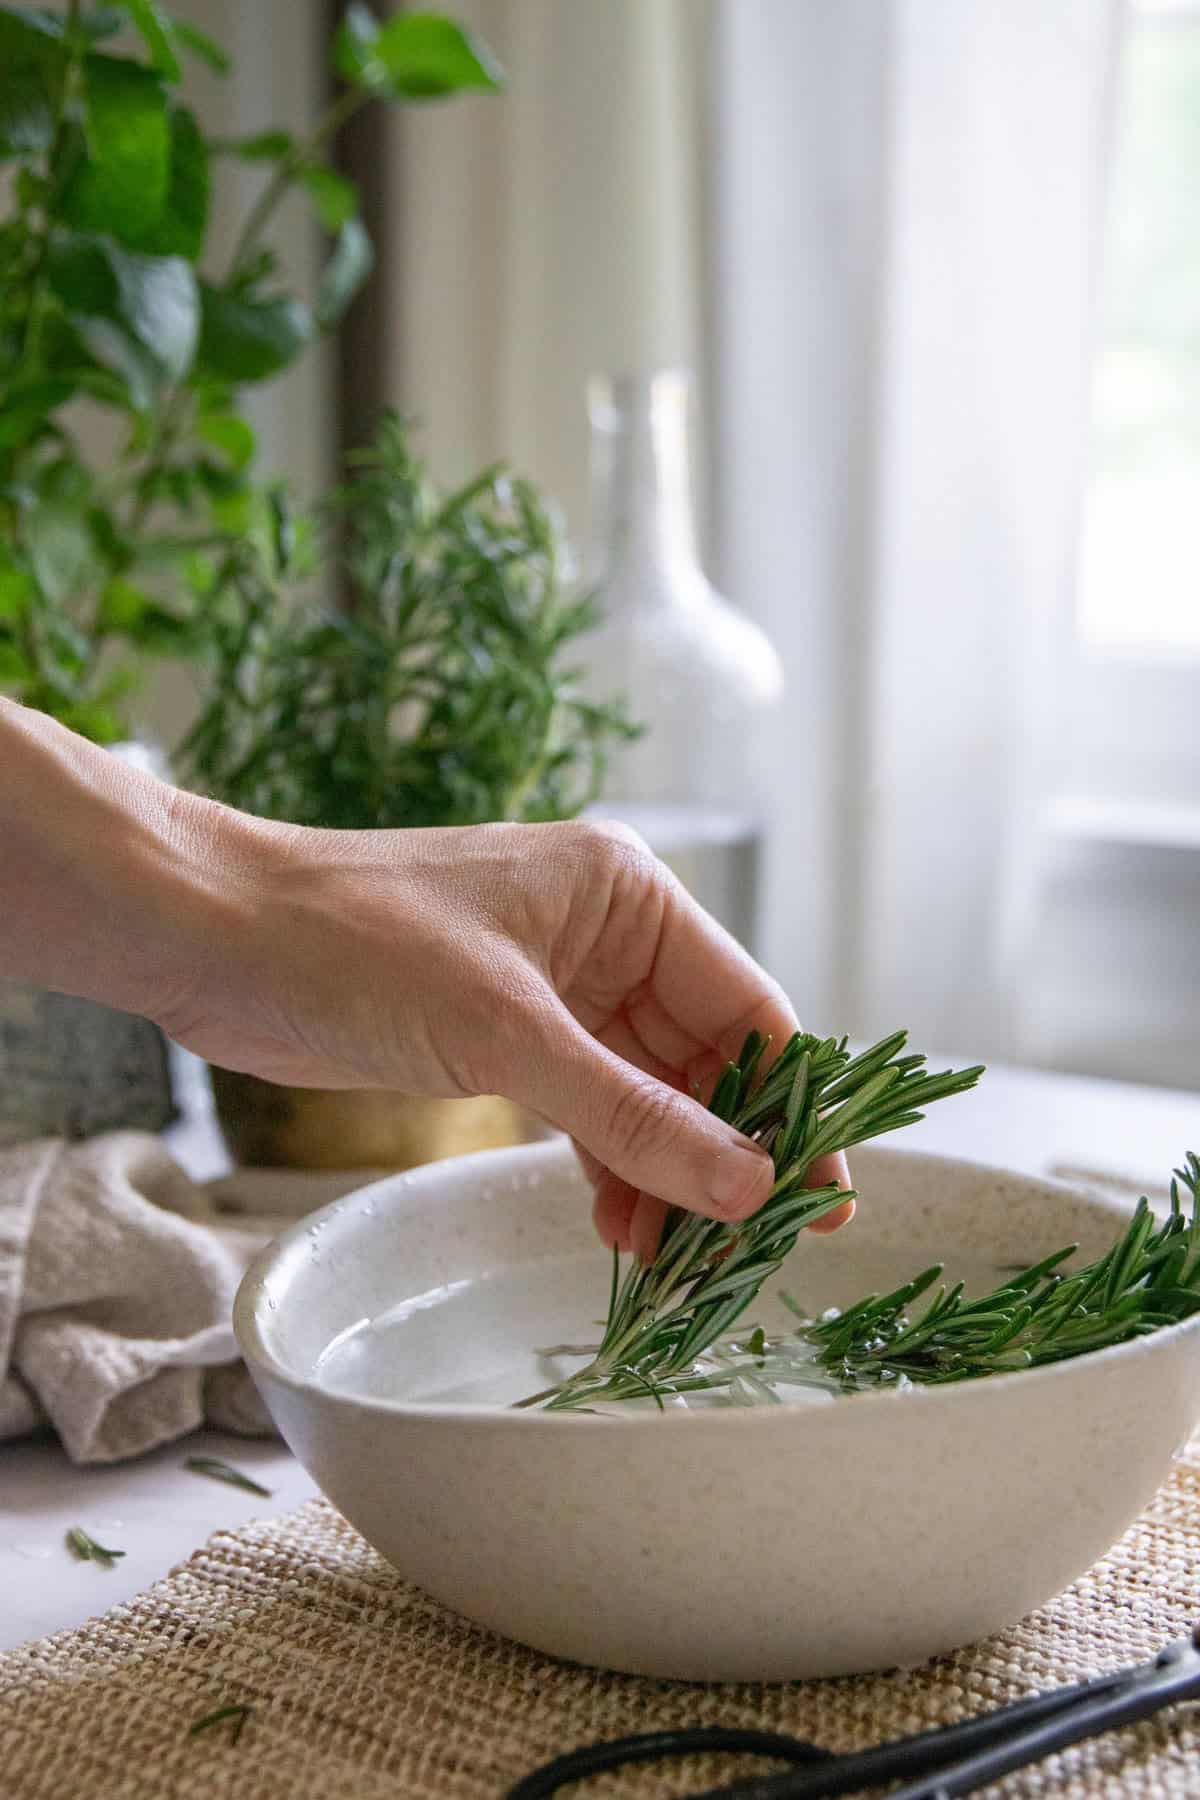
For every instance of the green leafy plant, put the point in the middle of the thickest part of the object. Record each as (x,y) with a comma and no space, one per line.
(814,1099)
(440,695)
(103,554)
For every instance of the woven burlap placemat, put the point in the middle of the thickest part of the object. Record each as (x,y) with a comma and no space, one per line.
(359,1686)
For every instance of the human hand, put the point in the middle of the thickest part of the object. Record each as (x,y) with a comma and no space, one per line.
(561,965)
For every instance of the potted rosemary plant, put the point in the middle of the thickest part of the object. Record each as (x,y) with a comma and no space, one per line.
(441,693)
(125,458)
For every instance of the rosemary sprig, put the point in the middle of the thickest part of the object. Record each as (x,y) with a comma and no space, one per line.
(237,1715)
(1149,1278)
(816,1098)
(223,1471)
(88,1550)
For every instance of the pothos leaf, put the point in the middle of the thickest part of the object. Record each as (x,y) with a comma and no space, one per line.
(229,434)
(120,185)
(413,56)
(16,588)
(60,549)
(139,314)
(27,410)
(335,198)
(180,227)
(244,339)
(32,57)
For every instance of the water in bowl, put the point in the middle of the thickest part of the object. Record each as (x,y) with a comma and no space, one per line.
(483,1341)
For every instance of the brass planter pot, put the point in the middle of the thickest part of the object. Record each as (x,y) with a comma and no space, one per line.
(268,1126)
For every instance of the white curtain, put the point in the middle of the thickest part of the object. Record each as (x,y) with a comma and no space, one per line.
(871,225)
(552,233)
(909,203)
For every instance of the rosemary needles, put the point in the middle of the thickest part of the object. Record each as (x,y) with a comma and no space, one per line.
(1149,1278)
(88,1550)
(234,1716)
(814,1099)
(218,1470)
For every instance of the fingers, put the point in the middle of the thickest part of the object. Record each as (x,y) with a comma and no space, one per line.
(643,1220)
(626,1220)
(822,1172)
(612,1212)
(645,1133)
(705,993)
(645,1227)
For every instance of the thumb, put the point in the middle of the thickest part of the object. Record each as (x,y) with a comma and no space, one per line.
(648,1134)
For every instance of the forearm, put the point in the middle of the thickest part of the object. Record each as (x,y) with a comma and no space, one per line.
(107,877)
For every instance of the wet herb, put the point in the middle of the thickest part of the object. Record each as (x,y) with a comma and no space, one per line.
(1148,1279)
(814,1099)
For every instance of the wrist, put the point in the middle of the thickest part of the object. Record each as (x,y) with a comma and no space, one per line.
(113,885)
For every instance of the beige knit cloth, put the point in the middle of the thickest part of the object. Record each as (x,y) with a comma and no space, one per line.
(117,1277)
(359,1687)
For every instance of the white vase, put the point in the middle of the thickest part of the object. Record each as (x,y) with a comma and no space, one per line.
(700,675)
(72,1068)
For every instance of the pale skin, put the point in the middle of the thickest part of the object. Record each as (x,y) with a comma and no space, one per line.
(560,965)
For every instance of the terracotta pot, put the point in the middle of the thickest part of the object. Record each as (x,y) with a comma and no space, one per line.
(268,1126)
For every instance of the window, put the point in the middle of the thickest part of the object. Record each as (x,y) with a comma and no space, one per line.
(1135,689)
(1115,976)
(1139,589)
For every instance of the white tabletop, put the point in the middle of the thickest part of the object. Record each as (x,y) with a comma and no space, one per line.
(159,1512)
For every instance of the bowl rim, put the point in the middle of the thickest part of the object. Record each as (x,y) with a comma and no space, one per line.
(251,1298)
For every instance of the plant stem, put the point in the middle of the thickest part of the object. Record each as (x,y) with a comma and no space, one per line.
(343,108)
(168,435)
(37,297)
(514,805)
(814,1099)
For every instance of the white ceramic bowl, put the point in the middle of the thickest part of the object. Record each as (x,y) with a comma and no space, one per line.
(726,1544)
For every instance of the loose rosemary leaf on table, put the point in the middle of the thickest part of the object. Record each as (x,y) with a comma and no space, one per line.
(218,1470)
(88,1550)
(814,1099)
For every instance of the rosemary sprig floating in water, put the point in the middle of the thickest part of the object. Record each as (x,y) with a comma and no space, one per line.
(88,1550)
(223,1471)
(1149,1278)
(814,1099)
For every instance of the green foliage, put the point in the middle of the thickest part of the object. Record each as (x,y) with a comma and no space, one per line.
(412,56)
(103,302)
(1044,1313)
(814,1099)
(439,697)
(671,1325)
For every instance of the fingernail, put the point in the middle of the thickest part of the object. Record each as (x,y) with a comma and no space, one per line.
(742,1181)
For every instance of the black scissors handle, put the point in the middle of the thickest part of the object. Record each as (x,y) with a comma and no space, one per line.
(946,1762)
(655,1746)
(1174,1675)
